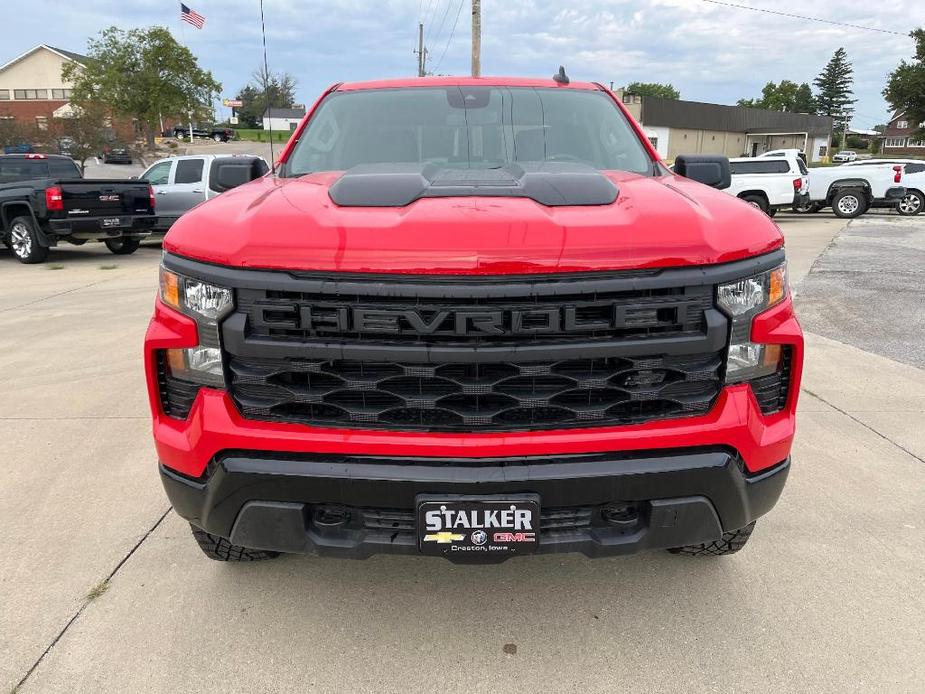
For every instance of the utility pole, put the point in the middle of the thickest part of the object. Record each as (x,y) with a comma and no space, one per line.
(421,51)
(476,38)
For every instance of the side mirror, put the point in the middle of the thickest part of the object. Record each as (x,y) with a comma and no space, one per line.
(710,170)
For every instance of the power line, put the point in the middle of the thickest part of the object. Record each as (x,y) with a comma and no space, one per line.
(452,32)
(810,19)
(431,5)
(449,4)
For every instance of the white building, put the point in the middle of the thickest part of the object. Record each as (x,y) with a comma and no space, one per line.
(283,119)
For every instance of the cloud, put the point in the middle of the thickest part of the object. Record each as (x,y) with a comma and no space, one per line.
(709,52)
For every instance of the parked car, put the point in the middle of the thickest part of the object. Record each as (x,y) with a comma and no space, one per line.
(116,154)
(770,183)
(208,132)
(181,183)
(785,153)
(65,146)
(851,190)
(913,202)
(403,344)
(844,156)
(21,148)
(44,200)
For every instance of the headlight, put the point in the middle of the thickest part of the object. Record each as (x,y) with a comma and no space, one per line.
(194,297)
(742,300)
(753,294)
(207,304)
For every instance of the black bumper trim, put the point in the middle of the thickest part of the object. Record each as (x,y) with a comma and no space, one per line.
(264,501)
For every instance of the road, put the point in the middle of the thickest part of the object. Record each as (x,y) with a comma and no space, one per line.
(103,589)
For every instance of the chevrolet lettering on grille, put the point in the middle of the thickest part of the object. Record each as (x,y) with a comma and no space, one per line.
(464,322)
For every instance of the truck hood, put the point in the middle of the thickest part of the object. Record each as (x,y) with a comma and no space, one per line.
(292,224)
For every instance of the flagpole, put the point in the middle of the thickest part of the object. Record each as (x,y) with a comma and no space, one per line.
(189,111)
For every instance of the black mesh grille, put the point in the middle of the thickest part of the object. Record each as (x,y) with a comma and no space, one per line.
(177,396)
(492,396)
(771,391)
(475,354)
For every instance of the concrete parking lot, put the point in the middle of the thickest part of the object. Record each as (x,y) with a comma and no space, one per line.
(103,589)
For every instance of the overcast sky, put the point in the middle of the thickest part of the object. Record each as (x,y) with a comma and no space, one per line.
(711,53)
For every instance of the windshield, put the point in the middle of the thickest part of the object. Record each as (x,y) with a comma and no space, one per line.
(467,128)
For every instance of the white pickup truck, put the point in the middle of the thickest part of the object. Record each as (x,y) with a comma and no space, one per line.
(769,183)
(851,190)
(913,181)
(181,183)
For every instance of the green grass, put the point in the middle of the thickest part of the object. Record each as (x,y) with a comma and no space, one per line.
(257,135)
(108,267)
(55,266)
(97,590)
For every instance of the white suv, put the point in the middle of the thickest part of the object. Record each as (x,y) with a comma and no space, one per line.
(770,183)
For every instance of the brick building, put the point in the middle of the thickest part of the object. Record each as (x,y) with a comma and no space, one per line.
(900,137)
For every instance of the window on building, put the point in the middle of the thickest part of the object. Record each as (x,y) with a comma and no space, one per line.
(41,93)
(917,143)
(894,142)
(4,94)
(41,122)
(902,124)
(30,94)
(57,94)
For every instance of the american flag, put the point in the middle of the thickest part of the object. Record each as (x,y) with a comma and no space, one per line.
(191,16)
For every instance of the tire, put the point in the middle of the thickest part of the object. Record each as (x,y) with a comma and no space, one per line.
(220,549)
(772,211)
(729,543)
(125,245)
(912,204)
(849,203)
(807,208)
(218,138)
(757,201)
(24,243)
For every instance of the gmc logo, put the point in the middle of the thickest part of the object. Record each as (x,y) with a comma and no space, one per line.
(462,322)
(109,198)
(514,537)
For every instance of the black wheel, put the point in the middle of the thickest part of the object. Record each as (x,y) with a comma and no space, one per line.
(849,203)
(807,207)
(24,243)
(77,242)
(218,138)
(729,543)
(911,204)
(758,201)
(125,245)
(772,211)
(220,549)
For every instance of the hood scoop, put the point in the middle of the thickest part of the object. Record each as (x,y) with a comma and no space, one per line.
(554,184)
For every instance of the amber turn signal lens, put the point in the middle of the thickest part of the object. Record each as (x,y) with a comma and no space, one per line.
(170,288)
(778,285)
(176,360)
(771,356)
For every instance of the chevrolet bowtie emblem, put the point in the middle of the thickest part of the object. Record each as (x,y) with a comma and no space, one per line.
(444,537)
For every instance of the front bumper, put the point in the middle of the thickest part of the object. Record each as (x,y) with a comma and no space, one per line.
(286,503)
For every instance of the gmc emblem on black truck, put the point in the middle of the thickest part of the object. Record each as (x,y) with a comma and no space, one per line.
(462,322)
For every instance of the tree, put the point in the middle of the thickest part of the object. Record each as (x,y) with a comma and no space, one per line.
(141,73)
(11,132)
(905,89)
(834,85)
(281,89)
(86,129)
(664,91)
(783,96)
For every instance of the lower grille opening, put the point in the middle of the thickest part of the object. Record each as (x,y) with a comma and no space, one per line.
(177,395)
(506,396)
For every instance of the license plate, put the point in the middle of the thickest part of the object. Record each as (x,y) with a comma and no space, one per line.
(478,528)
(109,222)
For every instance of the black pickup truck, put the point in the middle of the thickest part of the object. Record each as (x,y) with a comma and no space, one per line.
(204,131)
(44,200)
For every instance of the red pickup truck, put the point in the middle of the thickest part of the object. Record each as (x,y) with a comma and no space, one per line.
(473,318)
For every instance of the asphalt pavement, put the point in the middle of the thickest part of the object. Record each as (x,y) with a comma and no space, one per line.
(103,589)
